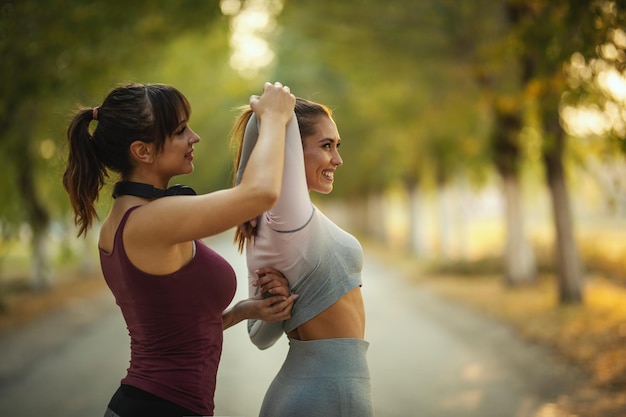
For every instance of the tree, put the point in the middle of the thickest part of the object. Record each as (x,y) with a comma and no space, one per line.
(482,40)
(402,58)
(402,97)
(549,33)
(520,65)
(50,58)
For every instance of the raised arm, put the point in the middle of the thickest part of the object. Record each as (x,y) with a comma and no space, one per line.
(259,189)
(292,211)
(293,208)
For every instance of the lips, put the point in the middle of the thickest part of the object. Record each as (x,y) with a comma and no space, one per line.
(329,175)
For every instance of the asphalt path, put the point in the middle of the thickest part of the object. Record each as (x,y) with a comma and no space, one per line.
(428,358)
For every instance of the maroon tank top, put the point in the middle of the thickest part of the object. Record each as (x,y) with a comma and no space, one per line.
(174,322)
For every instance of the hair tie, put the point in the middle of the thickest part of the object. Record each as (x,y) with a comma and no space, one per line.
(94,113)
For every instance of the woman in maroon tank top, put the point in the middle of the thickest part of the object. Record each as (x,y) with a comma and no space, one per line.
(172,289)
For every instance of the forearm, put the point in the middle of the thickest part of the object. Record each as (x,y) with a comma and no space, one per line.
(265,167)
(275,308)
(232,315)
(263,334)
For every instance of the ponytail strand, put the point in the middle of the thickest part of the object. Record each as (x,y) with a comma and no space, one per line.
(85,173)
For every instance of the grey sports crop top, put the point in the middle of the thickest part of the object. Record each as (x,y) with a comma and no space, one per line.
(321,261)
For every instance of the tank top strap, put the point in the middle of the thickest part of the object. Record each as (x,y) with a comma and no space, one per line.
(117,241)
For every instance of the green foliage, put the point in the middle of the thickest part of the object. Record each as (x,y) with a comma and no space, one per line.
(405,104)
(410,82)
(58,53)
(415,84)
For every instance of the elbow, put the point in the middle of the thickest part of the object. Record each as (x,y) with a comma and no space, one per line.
(272,198)
(261,190)
(267,198)
(262,346)
(259,336)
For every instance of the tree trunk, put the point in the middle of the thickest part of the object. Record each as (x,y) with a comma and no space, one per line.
(519,260)
(570,277)
(376,217)
(519,267)
(444,238)
(36,213)
(40,277)
(416,234)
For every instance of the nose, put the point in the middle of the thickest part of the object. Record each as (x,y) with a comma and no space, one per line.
(336,159)
(194,137)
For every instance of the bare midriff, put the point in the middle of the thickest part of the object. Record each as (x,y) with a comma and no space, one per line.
(344,319)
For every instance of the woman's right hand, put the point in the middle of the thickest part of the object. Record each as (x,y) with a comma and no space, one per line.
(276,101)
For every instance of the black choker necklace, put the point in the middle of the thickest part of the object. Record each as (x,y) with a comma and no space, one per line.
(139,189)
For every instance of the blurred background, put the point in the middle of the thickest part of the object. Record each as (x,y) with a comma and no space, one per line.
(478,136)
(471,130)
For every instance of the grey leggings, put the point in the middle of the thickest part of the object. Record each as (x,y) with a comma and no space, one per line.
(327,377)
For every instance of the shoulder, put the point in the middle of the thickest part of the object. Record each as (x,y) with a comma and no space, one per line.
(112,222)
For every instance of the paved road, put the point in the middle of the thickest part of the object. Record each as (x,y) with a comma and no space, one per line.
(428,358)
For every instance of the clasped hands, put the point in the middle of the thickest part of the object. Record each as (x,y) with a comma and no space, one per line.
(273,301)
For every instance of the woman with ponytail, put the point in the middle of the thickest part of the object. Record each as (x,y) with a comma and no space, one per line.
(171,288)
(326,371)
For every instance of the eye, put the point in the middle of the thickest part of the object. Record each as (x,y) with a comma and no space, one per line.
(181,130)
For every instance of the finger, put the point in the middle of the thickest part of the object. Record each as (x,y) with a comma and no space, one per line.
(275,289)
(282,313)
(268,270)
(283,302)
(283,307)
(278,290)
(274,300)
(278,84)
(272,279)
(267,85)
(282,310)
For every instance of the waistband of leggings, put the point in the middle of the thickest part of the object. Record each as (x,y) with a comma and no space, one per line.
(327,358)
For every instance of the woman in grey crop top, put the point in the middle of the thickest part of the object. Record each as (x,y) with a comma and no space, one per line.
(325,372)
(172,289)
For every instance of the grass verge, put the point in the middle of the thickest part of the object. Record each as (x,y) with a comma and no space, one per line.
(21,305)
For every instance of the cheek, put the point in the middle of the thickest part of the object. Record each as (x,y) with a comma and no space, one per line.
(309,167)
(310,173)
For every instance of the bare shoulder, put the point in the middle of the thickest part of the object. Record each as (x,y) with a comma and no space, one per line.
(110,224)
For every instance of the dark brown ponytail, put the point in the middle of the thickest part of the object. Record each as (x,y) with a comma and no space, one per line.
(85,173)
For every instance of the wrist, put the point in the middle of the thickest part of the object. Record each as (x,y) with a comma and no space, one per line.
(269,118)
(231,316)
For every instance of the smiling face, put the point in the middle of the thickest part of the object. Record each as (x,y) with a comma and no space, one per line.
(321,155)
(176,157)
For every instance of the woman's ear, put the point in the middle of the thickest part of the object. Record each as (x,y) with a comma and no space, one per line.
(142,151)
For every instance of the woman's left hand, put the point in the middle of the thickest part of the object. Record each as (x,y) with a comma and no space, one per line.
(274,300)
(272,303)
(272,309)
(270,282)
